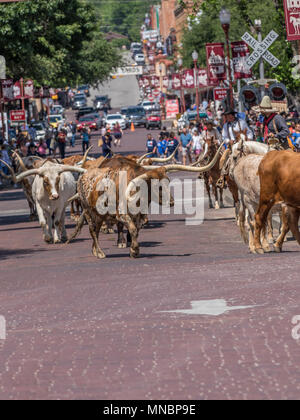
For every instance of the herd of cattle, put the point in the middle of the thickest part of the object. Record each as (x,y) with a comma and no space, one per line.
(262,182)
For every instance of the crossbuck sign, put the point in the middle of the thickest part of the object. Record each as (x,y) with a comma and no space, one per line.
(261,49)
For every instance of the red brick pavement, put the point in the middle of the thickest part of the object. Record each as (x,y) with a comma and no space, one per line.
(78,327)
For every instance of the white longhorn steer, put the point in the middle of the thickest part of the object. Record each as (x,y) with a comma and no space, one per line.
(52,187)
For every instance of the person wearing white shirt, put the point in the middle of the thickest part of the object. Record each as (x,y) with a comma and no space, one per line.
(211,132)
(197,143)
(233,126)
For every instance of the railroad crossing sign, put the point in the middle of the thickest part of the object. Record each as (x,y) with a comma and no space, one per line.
(261,49)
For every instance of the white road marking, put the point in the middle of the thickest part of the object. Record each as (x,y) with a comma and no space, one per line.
(212,307)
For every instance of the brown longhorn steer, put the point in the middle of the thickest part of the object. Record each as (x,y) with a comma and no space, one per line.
(279,174)
(90,194)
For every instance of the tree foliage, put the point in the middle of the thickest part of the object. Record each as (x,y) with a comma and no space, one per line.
(243,15)
(54,42)
(124,17)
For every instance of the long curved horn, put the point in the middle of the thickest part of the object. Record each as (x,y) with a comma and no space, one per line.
(101,163)
(75,197)
(85,156)
(20,160)
(29,172)
(140,160)
(161,160)
(206,168)
(13,175)
(69,168)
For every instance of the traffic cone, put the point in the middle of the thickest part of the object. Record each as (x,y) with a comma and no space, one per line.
(132,127)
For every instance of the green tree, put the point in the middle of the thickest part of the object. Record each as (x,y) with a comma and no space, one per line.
(243,15)
(54,42)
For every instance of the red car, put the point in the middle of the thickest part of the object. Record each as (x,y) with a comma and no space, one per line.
(88,120)
(153,120)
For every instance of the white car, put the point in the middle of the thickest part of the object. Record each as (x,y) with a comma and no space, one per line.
(139,59)
(57,109)
(40,130)
(148,105)
(112,119)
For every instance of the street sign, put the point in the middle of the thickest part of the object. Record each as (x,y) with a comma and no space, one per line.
(292,19)
(220,94)
(261,49)
(17,115)
(128,71)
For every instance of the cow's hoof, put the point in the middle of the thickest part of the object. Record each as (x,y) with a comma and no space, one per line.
(222,206)
(98,254)
(122,245)
(259,251)
(134,253)
(64,239)
(278,249)
(48,239)
(252,250)
(217,207)
(110,230)
(211,206)
(104,230)
(57,241)
(267,249)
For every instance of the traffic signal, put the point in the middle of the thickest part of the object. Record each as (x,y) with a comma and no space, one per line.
(250,96)
(277,92)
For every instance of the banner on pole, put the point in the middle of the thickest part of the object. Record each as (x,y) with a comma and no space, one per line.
(7,89)
(172,108)
(240,53)
(292,19)
(216,62)
(176,81)
(188,81)
(202,78)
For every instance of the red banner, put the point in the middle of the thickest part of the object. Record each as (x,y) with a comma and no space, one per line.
(155,81)
(28,89)
(215,62)
(165,82)
(188,81)
(18,115)
(220,94)
(202,78)
(240,52)
(176,81)
(7,89)
(172,108)
(17,90)
(292,19)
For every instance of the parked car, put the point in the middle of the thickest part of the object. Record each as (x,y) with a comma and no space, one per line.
(101,102)
(137,115)
(40,130)
(139,59)
(148,105)
(153,120)
(84,111)
(135,45)
(79,101)
(57,109)
(88,120)
(85,89)
(112,119)
(123,112)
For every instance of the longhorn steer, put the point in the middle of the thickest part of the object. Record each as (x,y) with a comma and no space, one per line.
(53,185)
(90,194)
(279,174)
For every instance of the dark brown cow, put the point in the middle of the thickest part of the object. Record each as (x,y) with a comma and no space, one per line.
(279,174)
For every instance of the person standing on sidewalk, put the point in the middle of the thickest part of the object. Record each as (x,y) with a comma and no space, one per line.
(185,145)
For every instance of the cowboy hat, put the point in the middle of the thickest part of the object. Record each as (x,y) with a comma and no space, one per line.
(229,111)
(265,106)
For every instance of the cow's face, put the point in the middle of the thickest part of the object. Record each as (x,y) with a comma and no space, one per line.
(51,184)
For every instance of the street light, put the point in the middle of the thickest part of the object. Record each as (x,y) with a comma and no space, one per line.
(195,59)
(225,22)
(182,100)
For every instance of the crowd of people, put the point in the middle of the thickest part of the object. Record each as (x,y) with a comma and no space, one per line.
(259,124)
